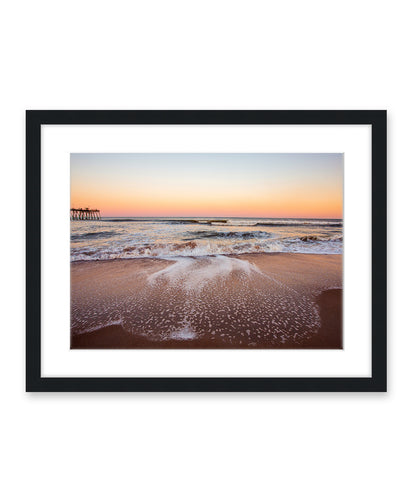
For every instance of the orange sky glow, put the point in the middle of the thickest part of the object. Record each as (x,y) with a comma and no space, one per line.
(240,185)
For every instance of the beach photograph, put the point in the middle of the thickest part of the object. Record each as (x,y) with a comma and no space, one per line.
(204,250)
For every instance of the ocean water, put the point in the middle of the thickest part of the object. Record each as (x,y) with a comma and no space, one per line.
(135,237)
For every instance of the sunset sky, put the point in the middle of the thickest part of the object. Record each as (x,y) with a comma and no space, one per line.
(240,185)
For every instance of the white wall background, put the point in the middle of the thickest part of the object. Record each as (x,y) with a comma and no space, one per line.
(208,55)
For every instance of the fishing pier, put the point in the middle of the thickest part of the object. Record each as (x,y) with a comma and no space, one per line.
(85,214)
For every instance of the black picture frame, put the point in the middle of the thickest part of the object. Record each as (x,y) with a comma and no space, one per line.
(378,380)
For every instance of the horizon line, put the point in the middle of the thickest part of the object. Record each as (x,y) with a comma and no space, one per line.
(215,216)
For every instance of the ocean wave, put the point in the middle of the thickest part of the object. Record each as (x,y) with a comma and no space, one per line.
(298,224)
(205,234)
(123,220)
(93,235)
(174,221)
(196,248)
(311,239)
(231,222)
(195,221)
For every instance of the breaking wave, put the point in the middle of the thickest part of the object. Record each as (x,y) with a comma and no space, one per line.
(204,234)
(209,248)
(176,237)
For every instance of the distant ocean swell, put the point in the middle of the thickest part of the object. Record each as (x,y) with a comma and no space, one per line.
(297,224)
(93,235)
(234,222)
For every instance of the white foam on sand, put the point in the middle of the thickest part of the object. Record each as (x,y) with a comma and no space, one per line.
(102,325)
(195,273)
(185,333)
(223,297)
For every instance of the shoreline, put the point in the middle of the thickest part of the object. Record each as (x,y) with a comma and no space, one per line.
(255,300)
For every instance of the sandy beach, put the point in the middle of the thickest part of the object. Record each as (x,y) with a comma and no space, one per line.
(275,300)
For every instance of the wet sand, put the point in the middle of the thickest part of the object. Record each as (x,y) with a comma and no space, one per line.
(250,301)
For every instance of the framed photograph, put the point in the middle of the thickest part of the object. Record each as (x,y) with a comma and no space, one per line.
(206,251)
